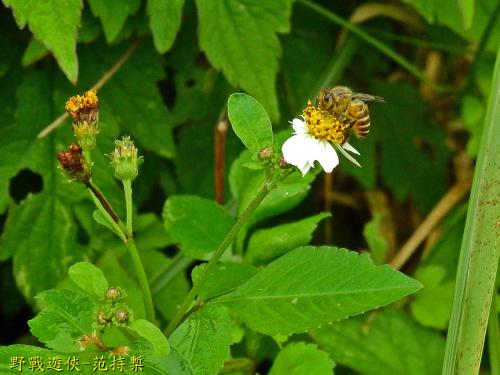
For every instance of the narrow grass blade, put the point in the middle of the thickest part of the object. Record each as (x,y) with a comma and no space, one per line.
(479,255)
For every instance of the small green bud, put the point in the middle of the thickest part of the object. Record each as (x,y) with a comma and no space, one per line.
(122,315)
(114,294)
(124,159)
(102,318)
(266,153)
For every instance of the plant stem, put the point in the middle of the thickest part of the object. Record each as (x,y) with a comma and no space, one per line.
(261,194)
(103,201)
(127,188)
(143,280)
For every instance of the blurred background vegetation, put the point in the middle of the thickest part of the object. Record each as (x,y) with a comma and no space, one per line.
(164,71)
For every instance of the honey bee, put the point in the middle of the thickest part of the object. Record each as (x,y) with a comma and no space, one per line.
(350,107)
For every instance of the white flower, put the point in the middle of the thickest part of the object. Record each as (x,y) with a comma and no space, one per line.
(303,149)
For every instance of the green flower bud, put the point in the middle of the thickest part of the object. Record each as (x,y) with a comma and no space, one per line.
(124,159)
(122,316)
(114,294)
(266,153)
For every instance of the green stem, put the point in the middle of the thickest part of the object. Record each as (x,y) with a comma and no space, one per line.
(494,337)
(127,188)
(382,47)
(262,193)
(143,280)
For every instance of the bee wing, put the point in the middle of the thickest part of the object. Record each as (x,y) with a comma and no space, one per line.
(367,97)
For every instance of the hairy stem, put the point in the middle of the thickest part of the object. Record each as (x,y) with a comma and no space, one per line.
(266,187)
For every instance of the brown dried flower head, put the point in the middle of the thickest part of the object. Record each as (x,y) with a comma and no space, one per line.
(73,163)
(84,110)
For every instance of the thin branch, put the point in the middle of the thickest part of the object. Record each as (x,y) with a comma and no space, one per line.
(97,86)
(220,143)
(449,200)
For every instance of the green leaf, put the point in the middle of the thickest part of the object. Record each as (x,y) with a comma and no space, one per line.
(431,306)
(199,225)
(164,21)
(152,334)
(34,51)
(54,23)
(267,244)
(467,10)
(40,235)
(309,287)
(240,38)
(223,278)
(203,340)
(375,240)
(250,122)
(384,342)
(89,278)
(67,315)
(113,15)
(302,359)
(411,150)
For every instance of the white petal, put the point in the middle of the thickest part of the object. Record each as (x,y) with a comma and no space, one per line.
(349,148)
(299,126)
(326,156)
(294,151)
(344,152)
(304,169)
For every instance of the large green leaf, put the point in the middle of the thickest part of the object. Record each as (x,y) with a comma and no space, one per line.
(239,37)
(164,21)
(54,23)
(197,224)
(309,287)
(385,342)
(203,340)
(302,359)
(113,14)
(250,122)
(40,235)
(270,243)
(67,316)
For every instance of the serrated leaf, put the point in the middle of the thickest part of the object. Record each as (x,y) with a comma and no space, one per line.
(89,278)
(66,316)
(164,21)
(302,359)
(223,278)
(40,235)
(309,287)
(431,306)
(385,342)
(54,23)
(113,15)
(375,240)
(267,244)
(250,122)
(152,334)
(239,37)
(203,340)
(199,225)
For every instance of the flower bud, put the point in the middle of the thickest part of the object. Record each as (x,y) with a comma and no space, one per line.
(102,318)
(84,110)
(266,153)
(114,294)
(73,164)
(124,159)
(282,163)
(122,315)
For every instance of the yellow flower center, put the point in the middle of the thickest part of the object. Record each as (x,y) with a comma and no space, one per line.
(324,125)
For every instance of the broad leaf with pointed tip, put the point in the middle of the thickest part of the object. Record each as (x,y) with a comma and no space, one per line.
(309,287)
